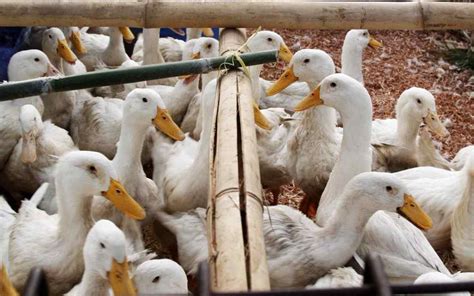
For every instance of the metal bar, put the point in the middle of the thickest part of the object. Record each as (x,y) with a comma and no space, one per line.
(374,274)
(36,284)
(204,274)
(237,13)
(46,85)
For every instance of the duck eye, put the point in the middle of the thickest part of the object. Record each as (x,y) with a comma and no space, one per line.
(418,101)
(144,100)
(209,45)
(50,37)
(365,34)
(269,39)
(92,169)
(333,84)
(156,279)
(389,188)
(306,61)
(102,245)
(37,59)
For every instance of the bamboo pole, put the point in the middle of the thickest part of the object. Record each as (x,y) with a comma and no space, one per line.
(235,13)
(228,264)
(252,189)
(237,251)
(46,85)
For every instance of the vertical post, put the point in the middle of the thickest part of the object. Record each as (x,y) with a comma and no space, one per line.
(228,261)
(235,217)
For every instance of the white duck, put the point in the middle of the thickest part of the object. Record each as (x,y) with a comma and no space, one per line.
(190,231)
(403,248)
(105,263)
(32,160)
(414,107)
(54,243)
(341,277)
(106,50)
(308,149)
(437,278)
(142,109)
(355,43)
(308,251)
(462,223)
(23,65)
(160,276)
(460,159)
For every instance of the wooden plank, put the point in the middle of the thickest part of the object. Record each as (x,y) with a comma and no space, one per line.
(257,260)
(236,13)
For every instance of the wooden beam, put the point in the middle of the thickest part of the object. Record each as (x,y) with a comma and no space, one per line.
(236,13)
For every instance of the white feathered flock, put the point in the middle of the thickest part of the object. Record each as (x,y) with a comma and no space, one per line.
(72,164)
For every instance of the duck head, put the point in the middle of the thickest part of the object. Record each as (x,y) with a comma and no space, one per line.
(308,65)
(420,106)
(162,276)
(88,173)
(31,126)
(268,40)
(144,107)
(384,191)
(105,256)
(54,42)
(30,64)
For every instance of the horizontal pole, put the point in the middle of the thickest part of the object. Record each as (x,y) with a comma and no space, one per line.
(41,86)
(236,13)
(365,290)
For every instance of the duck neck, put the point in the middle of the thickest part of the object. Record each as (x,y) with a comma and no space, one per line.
(115,45)
(351,61)
(93,284)
(127,160)
(151,53)
(466,206)
(355,157)
(74,213)
(255,80)
(348,221)
(318,123)
(407,129)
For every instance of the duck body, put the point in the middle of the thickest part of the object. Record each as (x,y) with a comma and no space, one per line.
(24,173)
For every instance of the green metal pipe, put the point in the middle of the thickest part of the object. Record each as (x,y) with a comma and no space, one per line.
(41,86)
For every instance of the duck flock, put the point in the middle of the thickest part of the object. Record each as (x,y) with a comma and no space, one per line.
(83,172)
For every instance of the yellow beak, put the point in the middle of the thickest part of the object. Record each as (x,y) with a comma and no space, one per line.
(287,78)
(207,32)
(166,125)
(414,213)
(260,119)
(284,53)
(77,42)
(374,43)
(65,52)
(117,194)
(196,55)
(6,287)
(120,280)
(28,148)
(127,34)
(435,125)
(313,99)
